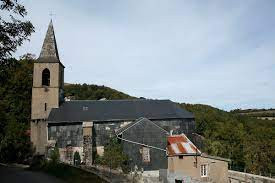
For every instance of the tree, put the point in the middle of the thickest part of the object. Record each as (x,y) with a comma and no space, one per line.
(245,140)
(258,150)
(113,156)
(15,105)
(77,159)
(54,156)
(16,145)
(93,92)
(13,31)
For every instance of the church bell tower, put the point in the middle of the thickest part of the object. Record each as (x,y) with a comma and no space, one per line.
(47,90)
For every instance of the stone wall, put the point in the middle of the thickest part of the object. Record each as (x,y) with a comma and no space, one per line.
(241,177)
(39,135)
(69,134)
(72,134)
(67,154)
(68,138)
(103,131)
(87,143)
(42,95)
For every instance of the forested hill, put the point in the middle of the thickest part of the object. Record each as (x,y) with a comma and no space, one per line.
(260,113)
(247,141)
(93,92)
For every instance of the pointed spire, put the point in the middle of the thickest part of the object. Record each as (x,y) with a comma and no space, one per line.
(49,52)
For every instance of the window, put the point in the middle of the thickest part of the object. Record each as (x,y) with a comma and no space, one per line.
(146,154)
(46,77)
(45,107)
(204,170)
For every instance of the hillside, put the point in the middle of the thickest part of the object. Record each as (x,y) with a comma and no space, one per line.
(93,92)
(264,114)
(248,142)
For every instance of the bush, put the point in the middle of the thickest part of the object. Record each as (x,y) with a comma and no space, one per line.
(77,159)
(114,157)
(38,162)
(54,156)
(15,146)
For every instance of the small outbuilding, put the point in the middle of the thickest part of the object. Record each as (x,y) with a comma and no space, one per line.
(186,163)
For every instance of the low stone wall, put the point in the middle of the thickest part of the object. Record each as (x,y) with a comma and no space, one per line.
(166,176)
(149,177)
(240,177)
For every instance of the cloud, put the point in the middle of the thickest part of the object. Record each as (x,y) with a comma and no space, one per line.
(215,52)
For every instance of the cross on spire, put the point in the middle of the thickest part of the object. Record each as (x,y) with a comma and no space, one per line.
(52,14)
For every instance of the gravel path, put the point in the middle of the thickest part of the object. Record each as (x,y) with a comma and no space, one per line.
(14,175)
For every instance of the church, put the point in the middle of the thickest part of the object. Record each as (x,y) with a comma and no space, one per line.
(86,126)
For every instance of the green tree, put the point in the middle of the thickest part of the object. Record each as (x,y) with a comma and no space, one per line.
(77,159)
(54,156)
(258,151)
(16,145)
(114,156)
(13,31)
(15,105)
(93,92)
(247,141)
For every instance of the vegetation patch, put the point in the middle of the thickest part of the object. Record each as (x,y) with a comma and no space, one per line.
(114,157)
(62,171)
(247,141)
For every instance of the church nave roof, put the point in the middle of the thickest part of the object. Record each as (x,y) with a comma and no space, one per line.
(117,110)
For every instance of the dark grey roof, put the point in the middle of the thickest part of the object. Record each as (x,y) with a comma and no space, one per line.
(140,120)
(49,51)
(115,110)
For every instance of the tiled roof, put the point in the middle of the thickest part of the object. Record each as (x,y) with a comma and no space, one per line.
(117,110)
(180,145)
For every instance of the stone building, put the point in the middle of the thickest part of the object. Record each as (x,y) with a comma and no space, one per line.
(86,126)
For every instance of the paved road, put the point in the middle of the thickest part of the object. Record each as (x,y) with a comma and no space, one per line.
(17,175)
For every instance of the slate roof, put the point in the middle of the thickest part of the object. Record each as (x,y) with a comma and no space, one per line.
(180,145)
(116,110)
(140,120)
(146,139)
(49,51)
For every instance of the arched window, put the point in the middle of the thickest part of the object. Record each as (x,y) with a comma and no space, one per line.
(46,77)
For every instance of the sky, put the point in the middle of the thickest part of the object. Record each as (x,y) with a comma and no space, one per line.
(220,53)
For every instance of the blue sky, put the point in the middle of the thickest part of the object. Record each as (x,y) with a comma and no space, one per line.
(220,53)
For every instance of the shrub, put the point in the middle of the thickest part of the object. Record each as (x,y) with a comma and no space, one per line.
(114,157)
(77,159)
(54,156)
